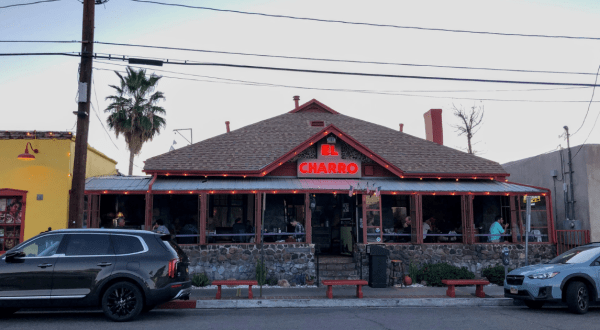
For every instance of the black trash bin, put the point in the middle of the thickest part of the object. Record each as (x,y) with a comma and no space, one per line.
(378,267)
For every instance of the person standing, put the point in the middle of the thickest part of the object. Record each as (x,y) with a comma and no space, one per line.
(298,229)
(497,228)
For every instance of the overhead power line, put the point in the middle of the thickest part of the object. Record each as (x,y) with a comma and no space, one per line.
(389,93)
(27,4)
(589,105)
(303,58)
(409,91)
(368,24)
(344,73)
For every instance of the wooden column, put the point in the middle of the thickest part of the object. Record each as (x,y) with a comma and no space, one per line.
(257,216)
(308,218)
(416,214)
(148,214)
(468,220)
(549,218)
(364,217)
(203,205)
(513,219)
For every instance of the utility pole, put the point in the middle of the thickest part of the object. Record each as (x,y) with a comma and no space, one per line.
(83,119)
(571,175)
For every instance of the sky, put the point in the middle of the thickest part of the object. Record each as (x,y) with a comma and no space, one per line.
(520,120)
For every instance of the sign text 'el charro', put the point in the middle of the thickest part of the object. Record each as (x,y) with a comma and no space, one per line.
(329,163)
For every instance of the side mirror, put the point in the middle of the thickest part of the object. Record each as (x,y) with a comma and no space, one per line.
(10,256)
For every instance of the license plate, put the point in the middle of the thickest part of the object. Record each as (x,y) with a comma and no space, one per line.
(513,290)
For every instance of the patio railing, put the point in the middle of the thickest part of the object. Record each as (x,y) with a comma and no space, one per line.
(568,239)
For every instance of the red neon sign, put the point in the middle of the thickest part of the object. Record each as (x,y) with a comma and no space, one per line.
(328,168)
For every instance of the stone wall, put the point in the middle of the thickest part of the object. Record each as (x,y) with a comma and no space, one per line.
(475,257)
(238,261)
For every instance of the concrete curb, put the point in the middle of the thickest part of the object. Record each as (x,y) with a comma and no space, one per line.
(389,302)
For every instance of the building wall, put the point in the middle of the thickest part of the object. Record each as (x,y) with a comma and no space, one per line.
(586,175)
(49,175)
(222,262)
(592,156)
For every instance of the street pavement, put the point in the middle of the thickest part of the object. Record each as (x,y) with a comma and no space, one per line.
(489,318)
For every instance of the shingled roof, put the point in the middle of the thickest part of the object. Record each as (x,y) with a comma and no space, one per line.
(254,147)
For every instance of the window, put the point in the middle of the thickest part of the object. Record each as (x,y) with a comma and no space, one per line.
(127,244)
(11,218)
(45,246)
(88,245)
(442,219)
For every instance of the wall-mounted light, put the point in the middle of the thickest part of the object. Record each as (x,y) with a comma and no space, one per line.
(26,155)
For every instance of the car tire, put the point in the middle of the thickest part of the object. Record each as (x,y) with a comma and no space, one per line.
(6,312)
(122,302)
(578,298)
(534,304)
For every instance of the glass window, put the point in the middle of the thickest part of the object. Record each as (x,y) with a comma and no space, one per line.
(127,244)
(88,245)
(42,247)
(442,219)
(11,218)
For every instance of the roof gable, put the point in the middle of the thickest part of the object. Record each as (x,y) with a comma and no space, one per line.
(314,106)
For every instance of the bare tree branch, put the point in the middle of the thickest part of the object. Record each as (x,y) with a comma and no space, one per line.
(469,122)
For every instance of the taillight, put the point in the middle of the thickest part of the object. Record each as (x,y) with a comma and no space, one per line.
(173,267)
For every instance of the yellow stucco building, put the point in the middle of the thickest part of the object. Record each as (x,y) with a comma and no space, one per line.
(34,187)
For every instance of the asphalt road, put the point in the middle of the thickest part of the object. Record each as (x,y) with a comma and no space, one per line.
(488,318)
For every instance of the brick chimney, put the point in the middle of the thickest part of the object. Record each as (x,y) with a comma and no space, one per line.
(433,126)
(297,100)
(401,127)
(227,125)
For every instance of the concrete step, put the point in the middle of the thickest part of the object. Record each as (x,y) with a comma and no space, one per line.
(341,273)
(335,260)
(353,277)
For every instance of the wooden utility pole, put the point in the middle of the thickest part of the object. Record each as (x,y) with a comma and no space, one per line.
(83,118)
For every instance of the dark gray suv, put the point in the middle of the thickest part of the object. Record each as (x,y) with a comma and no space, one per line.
(124,272)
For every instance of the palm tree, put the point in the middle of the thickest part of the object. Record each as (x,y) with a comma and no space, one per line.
(133,110)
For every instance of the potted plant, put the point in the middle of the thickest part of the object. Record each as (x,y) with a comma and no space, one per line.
(309,280)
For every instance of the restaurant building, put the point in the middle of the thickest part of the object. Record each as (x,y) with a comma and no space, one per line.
(320,188)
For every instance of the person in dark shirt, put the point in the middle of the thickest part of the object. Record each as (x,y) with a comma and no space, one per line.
(239,228)
(407,229)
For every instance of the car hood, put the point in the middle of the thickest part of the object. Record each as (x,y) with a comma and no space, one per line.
(543,268)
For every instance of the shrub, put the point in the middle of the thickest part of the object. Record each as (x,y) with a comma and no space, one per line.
(495,274)
(200,280)
(433,274)
(261,273)
(413,272)
(272,281)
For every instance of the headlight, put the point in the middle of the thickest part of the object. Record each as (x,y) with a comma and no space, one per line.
(543,276)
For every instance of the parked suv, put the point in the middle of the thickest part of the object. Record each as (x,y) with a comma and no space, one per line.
(124,272)
(572,278)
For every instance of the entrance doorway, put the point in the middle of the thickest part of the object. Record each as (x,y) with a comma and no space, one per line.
(334,223)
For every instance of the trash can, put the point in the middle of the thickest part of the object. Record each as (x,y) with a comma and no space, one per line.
(378,267)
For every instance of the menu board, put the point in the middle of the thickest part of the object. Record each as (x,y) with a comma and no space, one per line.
(11,218)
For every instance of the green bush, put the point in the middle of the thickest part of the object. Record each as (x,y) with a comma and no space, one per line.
(200,280)
(272,281)
(433,274)
(413,271)
(495,274)
(261,273)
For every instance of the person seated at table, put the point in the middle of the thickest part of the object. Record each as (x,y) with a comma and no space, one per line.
(298,228)
(497,228)
(239,228)
(407,229)
(428,227)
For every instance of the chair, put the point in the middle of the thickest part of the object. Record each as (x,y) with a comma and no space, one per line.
(537,235)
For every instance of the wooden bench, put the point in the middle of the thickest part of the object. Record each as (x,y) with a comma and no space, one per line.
(452,283)
(249,283)
(331,283)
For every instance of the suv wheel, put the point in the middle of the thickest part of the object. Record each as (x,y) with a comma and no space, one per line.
(534,304)
(578,298)
(122,302)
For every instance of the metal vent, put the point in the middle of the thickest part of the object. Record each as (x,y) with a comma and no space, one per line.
(317,123)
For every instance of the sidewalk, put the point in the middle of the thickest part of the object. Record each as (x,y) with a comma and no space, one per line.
(343,296)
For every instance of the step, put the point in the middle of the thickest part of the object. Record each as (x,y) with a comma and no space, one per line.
(337,273)
(335,260)
(354,277)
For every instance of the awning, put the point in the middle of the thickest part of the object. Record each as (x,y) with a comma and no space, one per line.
(262,184)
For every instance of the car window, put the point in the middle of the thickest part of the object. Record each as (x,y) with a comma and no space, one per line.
(88,245)
(577,255)
(45,246)
(127,244)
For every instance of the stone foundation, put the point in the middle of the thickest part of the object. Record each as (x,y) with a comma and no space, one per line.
(238,261)
(475,257)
